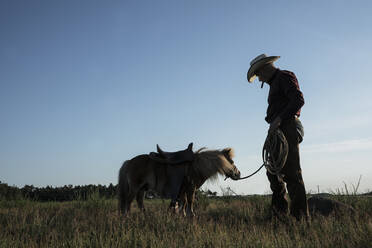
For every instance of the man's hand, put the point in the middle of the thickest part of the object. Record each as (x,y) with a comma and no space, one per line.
(275,124)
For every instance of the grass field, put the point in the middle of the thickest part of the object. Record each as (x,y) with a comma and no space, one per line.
(220,222)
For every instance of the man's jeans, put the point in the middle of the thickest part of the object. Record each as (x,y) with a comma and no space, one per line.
(291,175)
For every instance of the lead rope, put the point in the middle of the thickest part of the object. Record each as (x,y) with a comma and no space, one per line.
(274,153)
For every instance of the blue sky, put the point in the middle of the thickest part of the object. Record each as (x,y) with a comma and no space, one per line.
(85,85)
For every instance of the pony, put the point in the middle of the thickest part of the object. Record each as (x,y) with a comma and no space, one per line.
(178,182)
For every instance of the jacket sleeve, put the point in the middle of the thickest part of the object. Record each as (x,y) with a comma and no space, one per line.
(295,97)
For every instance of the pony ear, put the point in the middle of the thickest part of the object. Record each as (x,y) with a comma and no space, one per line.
(228,152)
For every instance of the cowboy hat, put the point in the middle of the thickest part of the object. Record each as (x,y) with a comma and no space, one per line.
(257,63)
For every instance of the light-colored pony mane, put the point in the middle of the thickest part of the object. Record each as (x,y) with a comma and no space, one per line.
(211,163)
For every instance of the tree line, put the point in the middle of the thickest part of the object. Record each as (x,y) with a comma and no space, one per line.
(64,193)
(72,193)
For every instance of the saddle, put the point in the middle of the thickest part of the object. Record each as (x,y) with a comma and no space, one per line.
(173,158)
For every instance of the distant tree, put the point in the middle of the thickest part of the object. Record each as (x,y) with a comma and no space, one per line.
(49,193)
(9,192)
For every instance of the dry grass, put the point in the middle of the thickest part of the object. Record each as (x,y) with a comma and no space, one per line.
(223,222)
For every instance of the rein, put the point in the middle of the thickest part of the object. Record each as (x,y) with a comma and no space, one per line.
(274,153)
(250,174)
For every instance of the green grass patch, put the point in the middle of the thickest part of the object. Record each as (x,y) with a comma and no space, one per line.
(220,222)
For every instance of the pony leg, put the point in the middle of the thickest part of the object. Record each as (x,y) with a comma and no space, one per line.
(181,200)
(182,203)
(190,201)
(139,199)
(122,204)
(129,201)
(123,193)
(173,206)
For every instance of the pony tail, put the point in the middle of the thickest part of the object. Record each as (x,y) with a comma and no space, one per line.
(123,187)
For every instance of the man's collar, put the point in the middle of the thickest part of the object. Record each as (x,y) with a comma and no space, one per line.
(270,81)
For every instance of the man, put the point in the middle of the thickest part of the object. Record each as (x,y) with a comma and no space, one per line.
(285,101)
